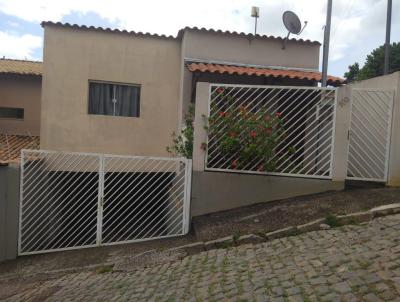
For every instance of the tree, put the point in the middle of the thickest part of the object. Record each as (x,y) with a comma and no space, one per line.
(374,64)
(353,72)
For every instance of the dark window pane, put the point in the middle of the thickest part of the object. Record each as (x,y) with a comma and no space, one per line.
(100,99)
(113,99)
(127,100)
(6,112)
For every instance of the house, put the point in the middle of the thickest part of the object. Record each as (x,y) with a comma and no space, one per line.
(159,73)
(111,100)
(20,94)
(263,130)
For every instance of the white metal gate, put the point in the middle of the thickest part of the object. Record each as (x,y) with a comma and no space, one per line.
(275,130)
(76,200)
(369,134)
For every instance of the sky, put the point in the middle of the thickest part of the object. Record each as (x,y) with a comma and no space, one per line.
(358,26)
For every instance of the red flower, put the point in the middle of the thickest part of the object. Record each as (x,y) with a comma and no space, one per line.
(222,113)
(268,130)
(232,134)
(234,163)
(220,90)
(253,134)
(278,114)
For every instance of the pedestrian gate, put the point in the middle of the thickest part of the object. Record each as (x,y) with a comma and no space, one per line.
(76,200)
(369,134)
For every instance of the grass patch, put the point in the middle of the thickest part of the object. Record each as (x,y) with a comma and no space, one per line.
(235,237)
(332,221)
(224,245)
(104,269)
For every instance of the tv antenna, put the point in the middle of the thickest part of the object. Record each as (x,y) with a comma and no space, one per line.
(292,24)
(255,13)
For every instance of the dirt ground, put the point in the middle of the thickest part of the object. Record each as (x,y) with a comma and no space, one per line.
(270,216)
(263,217)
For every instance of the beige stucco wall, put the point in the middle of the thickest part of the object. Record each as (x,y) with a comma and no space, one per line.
(73,57)
(257,51)
(342,124)
(21,92)
(216,191)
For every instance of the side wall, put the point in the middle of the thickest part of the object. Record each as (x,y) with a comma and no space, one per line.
(9,205)
(72,57)
(257,51)
(21,92)
(216,191)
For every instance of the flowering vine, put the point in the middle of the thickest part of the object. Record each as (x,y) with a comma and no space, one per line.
(247,138)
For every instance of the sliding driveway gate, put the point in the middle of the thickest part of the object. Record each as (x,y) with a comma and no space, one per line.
(76,200)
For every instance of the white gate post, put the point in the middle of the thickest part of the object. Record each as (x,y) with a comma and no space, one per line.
(187,193)
(21,196)
(100,199)
(342,126)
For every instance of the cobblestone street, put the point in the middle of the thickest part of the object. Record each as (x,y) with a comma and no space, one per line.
(351,263)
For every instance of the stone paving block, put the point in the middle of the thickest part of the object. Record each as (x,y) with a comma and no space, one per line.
(355,263)
(371,298)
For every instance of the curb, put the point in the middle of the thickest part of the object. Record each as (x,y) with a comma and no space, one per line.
(315,225)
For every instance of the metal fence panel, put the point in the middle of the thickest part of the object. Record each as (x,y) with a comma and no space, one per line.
(75,200)
(58,204)
(369,135)
(144,198)
(278,130)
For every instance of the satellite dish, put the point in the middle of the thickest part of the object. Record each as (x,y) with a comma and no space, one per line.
(292,24)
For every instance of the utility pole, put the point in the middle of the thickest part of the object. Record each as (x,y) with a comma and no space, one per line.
(387,40)
(327,33)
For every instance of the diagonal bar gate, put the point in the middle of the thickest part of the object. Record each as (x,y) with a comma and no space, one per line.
(369,135)
(275,130)
(76,200)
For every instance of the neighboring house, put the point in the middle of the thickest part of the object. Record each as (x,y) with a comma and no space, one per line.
(120,92)
(20,94)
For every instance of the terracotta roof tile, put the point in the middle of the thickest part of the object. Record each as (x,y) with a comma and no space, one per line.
(22,67)
(268,72)
(180,32)
(247,35)
(11,146)
(111,30)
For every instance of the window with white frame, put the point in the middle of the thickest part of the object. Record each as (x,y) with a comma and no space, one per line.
(114,99)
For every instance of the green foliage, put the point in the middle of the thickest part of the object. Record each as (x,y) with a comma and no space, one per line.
(244,135)
(332,221)
(182,144)
(374,64)
(104,269)
(353,72)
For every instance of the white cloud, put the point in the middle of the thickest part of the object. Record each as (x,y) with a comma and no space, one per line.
(14,46)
